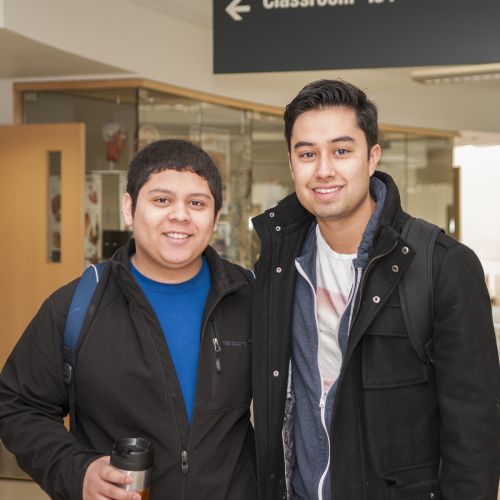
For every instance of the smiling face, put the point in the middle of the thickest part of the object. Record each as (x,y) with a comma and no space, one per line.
(173,222)
(331,167)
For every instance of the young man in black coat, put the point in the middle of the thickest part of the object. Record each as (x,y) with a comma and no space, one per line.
(164,353)
(344,407)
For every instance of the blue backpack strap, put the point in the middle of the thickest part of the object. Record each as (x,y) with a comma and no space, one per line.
(76,315)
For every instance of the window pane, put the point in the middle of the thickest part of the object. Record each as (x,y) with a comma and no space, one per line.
(54,206)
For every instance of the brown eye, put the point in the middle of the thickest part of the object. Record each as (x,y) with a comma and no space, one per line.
(306,155)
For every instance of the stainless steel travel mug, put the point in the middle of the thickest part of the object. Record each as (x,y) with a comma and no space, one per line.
(135,457)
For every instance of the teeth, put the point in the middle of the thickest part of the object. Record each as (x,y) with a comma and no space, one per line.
(178,236)
(326,190)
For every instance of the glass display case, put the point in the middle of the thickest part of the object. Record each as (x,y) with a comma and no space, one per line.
(421,166)
(245,140)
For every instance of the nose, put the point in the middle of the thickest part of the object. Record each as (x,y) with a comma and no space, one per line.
(325,166)
(179,212)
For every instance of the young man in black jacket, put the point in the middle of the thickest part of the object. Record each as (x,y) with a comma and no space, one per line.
(344,407)
(164,353)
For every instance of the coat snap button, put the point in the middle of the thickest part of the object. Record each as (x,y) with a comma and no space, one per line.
(278,269)
(395,269)
(271,214)
(276,373)
(278,228)
(376,299)
(405,250)
(432,495)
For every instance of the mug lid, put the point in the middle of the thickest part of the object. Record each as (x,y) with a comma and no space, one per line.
(132,454)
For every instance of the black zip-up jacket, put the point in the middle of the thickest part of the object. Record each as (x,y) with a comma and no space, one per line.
(401,428)
(126,386)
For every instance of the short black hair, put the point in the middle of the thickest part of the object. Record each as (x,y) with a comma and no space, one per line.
(324,94)
(172,154)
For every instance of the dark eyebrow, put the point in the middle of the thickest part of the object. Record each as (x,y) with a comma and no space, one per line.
(168,191)
(343,138)
(159,190)
(301,144)
(200,195)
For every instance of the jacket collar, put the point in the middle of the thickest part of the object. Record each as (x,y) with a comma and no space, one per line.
(391,211)
(291,211)
(378,192)
(385,227)
(390,220)
(221,281)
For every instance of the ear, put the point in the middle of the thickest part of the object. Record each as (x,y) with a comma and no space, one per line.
(127,210)
(217,216)
(373,158)
(290,166)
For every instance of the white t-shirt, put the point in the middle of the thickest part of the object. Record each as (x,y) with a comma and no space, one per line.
(334,280)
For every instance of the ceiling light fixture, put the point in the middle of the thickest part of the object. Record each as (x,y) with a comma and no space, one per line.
(457,74)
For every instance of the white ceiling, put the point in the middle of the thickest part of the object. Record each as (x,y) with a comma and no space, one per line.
(453,106)
(194,11)
(465,105)
(21,57)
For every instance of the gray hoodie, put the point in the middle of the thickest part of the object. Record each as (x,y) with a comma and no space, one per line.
(312,409)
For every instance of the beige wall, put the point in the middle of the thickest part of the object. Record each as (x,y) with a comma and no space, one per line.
(5,100)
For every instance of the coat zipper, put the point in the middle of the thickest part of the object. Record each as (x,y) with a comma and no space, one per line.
(184,462)
(322,406)
(215,341)
(217,349)
(351,321)
(322,401)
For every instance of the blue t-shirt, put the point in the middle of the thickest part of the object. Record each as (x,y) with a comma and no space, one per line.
(179,308)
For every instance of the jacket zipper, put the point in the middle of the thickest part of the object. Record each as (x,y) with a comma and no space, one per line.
(184,453)
(322,406)
(322,401)
(217,349)
(351,321)
(184,462)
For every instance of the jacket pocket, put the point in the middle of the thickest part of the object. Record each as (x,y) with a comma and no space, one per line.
(230,371)
(389,360)
(413,483)
(422,491)
(388,357)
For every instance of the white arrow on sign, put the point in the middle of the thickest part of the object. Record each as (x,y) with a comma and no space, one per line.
(234,9)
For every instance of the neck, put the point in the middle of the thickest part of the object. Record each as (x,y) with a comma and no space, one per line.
(171,275)
(344,235)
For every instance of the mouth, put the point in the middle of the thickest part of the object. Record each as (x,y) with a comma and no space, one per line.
(328,190)
(177,236)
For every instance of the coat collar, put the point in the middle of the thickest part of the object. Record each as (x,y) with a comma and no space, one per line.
(291,215)
(292,212)
(221,281)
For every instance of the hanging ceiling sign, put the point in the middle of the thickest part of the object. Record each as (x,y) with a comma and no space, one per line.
(297,35)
